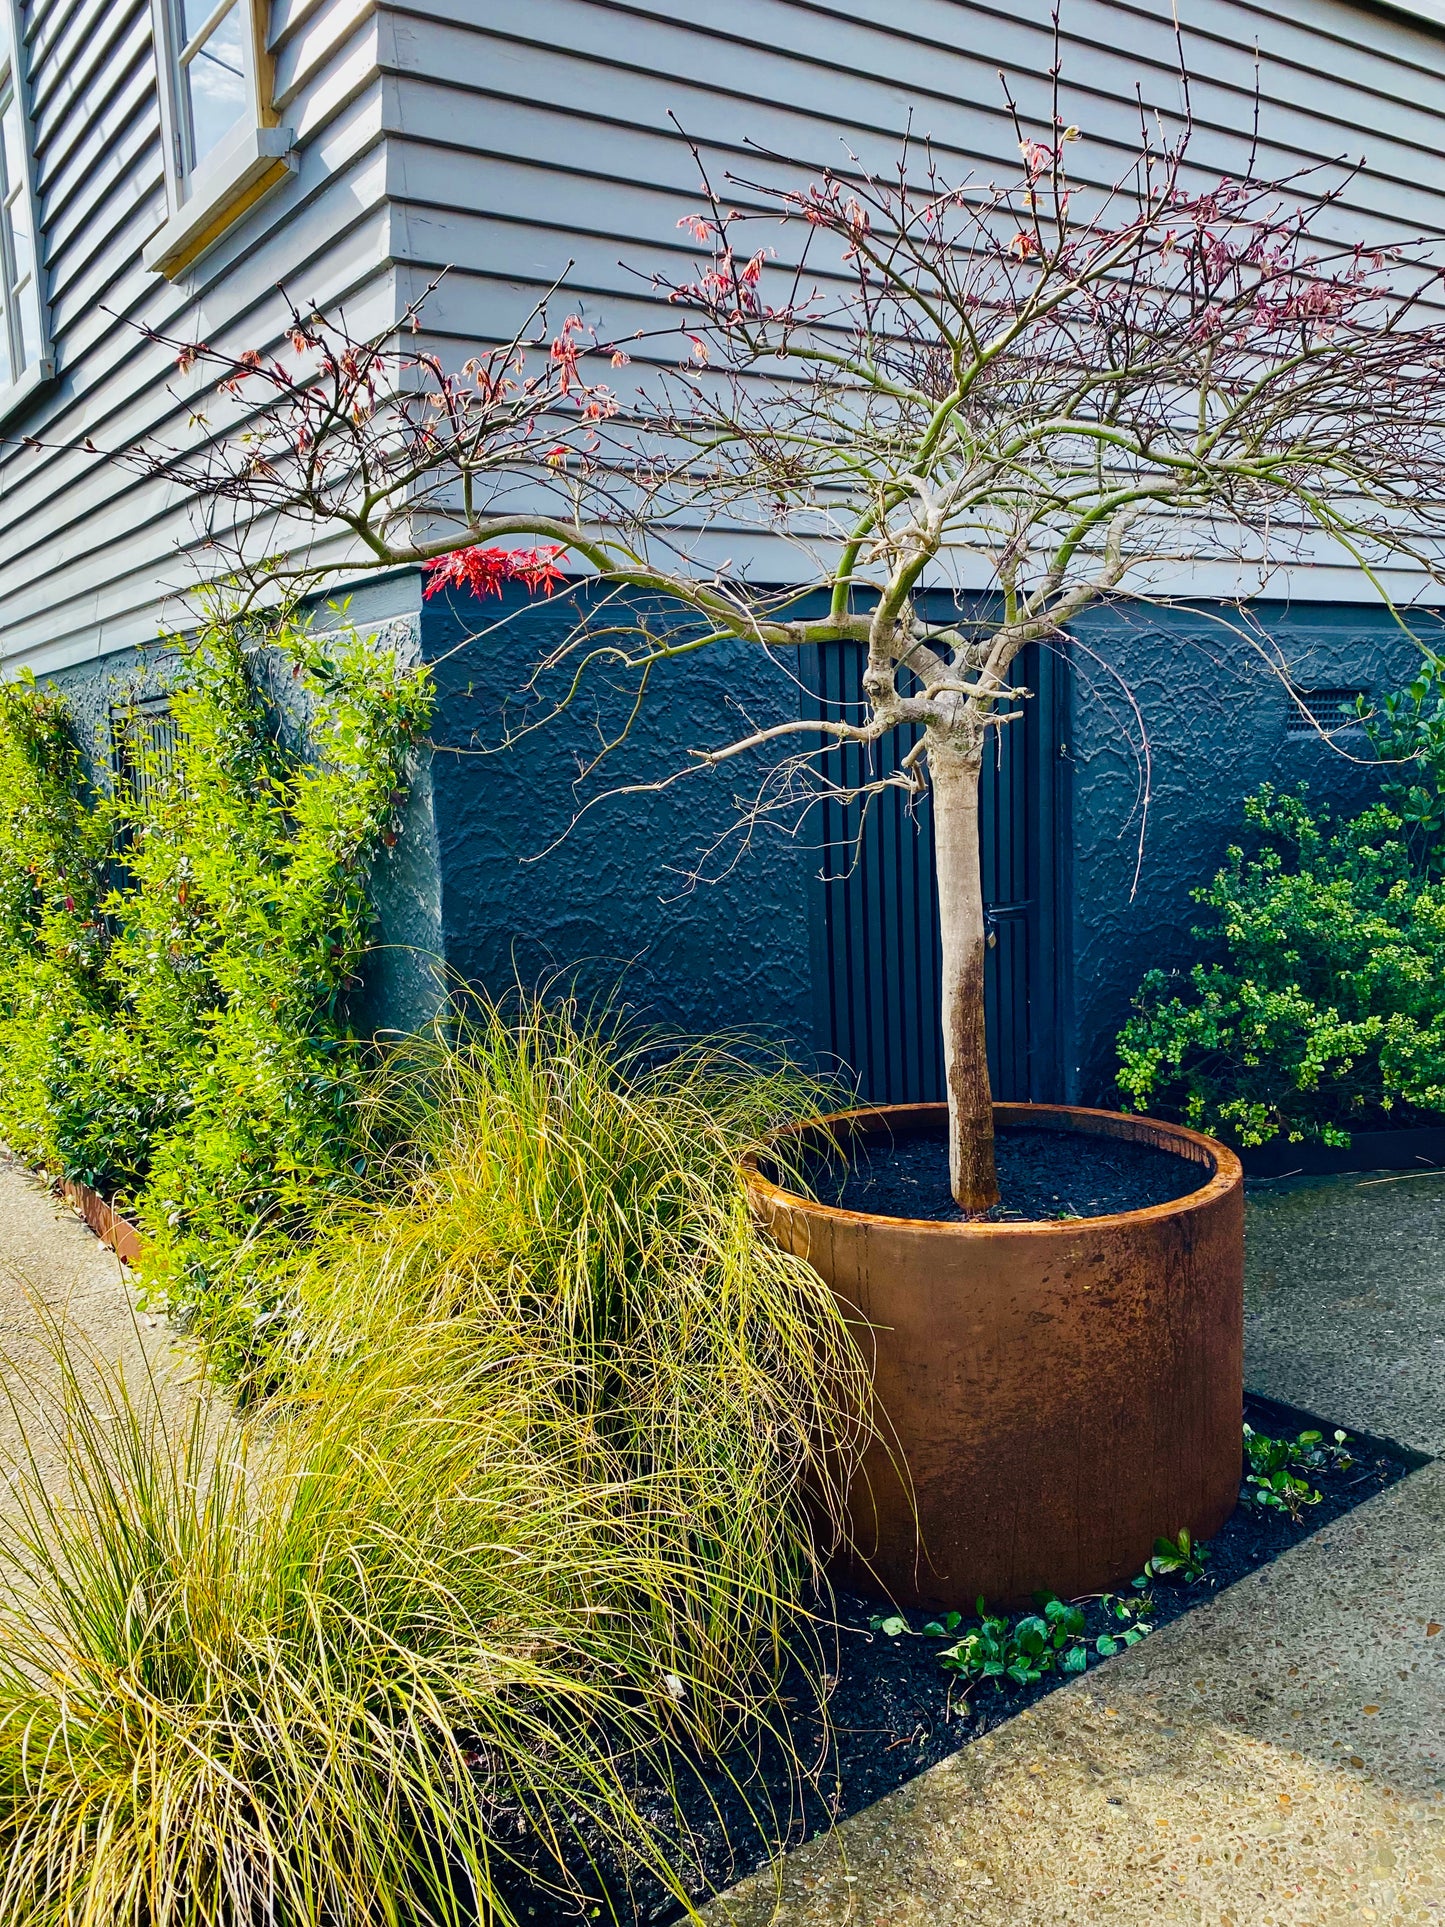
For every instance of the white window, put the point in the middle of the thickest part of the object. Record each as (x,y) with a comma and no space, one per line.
(223,148)
(23,359)
(214,79)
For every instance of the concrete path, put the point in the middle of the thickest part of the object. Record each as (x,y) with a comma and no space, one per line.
(1345,1300)
(54,1273)
(1274,1759)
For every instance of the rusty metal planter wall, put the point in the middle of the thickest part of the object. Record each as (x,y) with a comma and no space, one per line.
(1061,1393)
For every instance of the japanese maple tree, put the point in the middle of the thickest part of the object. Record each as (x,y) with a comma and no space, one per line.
(1043,393)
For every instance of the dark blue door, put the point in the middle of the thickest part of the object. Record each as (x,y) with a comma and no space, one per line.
(875,908)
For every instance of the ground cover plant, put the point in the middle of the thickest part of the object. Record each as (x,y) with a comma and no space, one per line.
(177,950)
(1058,1637)
(1320,1004)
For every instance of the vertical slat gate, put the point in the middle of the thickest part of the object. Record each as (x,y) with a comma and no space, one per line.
(876,956)
(145,741)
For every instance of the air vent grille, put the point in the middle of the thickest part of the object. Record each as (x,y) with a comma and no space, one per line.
(1314,710)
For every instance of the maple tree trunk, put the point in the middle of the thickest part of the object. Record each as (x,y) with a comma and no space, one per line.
(955,785)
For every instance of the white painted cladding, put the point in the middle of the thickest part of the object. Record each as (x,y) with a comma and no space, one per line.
(507,138)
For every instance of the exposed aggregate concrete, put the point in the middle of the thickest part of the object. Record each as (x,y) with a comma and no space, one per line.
(58,1280)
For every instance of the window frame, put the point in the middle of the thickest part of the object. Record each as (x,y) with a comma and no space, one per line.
(205,199)
(1425,13)
(18,391)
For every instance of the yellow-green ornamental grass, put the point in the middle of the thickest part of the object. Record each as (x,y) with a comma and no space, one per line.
(550,1445)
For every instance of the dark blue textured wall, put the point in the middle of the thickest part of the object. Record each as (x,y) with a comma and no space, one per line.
(609,897)
(611,901)
(1216,715)
(473,880)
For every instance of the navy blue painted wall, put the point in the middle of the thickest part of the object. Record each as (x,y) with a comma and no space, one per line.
(1216,715)
(610,902)
(481,881)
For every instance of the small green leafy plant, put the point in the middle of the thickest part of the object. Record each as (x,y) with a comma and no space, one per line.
(1021,1650)
(1024,1648)
(1182,1557)
(1316,1009)
(1279,1470)
(1309,1452)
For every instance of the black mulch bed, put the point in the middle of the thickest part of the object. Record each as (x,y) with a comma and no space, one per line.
(894,1711)
(1041,1174)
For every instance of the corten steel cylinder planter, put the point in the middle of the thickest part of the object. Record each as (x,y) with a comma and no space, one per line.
(1061,1392)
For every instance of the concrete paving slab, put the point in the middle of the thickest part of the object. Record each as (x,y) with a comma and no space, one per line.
(1345,1300)
(1274,1759)
(53,1269)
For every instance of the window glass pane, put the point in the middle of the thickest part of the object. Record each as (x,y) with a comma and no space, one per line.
(18,219)
(6,373)
(14,145)
(215,86)
(194,15)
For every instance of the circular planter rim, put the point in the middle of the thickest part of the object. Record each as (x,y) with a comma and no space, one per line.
(1228,1172)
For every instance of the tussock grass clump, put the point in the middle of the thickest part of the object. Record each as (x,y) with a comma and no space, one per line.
(580,1193)
(320,1674)
(552,1444)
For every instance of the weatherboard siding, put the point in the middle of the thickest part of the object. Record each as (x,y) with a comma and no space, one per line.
(93,558)
(530,135)
(511,142)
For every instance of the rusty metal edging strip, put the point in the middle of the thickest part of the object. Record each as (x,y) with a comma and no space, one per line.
(123,1238)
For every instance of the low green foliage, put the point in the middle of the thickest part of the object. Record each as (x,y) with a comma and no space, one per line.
(1323,1007)
(1022,1649)
(1278,1475)
(1309,1452)
(1182,1557)
(175,956)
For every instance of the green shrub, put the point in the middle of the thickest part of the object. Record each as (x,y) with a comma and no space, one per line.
(1322,1008)
(56,1103)
(1407,729)
(175,958)
(241,933)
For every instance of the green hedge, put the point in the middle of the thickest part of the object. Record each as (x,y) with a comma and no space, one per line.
(175,954)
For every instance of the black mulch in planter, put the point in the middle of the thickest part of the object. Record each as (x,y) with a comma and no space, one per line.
(894,1711)
(1042,1174)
